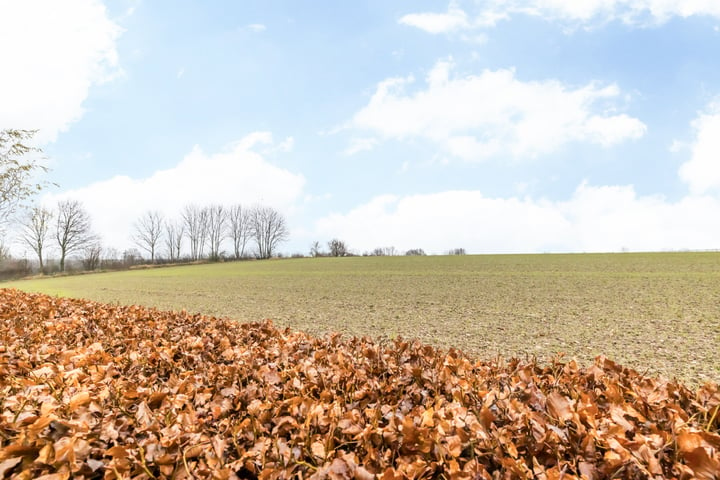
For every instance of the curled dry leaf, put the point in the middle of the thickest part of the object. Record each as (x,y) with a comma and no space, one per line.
(559,407)
(318,450)
(104,391)
(79,400)
(9,464)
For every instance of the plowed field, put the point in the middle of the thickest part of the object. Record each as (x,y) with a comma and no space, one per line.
(658,313)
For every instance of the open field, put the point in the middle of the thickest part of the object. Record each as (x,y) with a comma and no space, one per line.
(658,313)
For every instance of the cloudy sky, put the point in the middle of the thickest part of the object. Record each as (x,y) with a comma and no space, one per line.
(493,125)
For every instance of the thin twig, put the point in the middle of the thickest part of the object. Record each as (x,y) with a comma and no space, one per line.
(712,419)
(144,465)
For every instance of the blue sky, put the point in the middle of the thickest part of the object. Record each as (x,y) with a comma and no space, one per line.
(497,126)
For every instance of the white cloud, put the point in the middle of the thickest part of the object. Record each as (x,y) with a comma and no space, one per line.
(266,138)
(53,53)
(478,116)
(285,146)
(256,27)
(573,12)
(239,174)
(358,145)
(702,171)
(455,19)
(628,11)
(609,218)
(677,146)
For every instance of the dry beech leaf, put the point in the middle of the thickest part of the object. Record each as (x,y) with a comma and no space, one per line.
(559,406)
(54,476)
(117,452)
(9,464)
(318,449)
(703,465)
(18,450)
(79,400)
(46,454)
(95,465)
(454,446)
(362,474)
(689,441)
(427,418)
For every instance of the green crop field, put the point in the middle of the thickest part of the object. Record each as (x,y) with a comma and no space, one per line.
(658,313)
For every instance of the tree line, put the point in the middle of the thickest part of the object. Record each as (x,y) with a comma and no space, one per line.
(66,230)
(252,232)
(255,231)
(339,248)
(207,227)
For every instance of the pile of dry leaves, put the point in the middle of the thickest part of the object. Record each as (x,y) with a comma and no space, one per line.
(98,391)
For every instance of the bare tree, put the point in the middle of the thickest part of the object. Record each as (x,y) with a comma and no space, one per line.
(268,229)
(131,257)
(111,259)
(215,220)
(16,171)
(204,234)
(384,252)
(337,248)
(93,254)
(195,221)
(239,229)
(315,249)
(148,231)
(72,228)
(174,233)
(4,250)
(34,232)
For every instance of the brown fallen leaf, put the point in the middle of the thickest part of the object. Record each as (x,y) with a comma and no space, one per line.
(54,476)
(318,450)
(8,465)
(79,400)
(559,407)
(18,450)
(703,465)
(689,441)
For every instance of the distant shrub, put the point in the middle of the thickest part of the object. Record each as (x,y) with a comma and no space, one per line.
(14,268)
